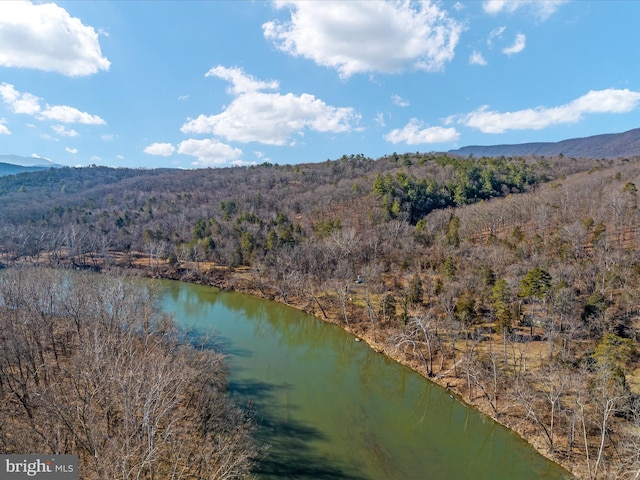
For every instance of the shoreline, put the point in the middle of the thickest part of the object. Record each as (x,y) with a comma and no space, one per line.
(228,279)
(234,281)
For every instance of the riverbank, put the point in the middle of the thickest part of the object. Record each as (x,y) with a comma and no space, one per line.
(446,371)
(380,336)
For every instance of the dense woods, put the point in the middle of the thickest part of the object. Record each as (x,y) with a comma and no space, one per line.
(512,281)
(87,366)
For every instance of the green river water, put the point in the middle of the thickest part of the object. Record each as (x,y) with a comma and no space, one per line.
(333,409)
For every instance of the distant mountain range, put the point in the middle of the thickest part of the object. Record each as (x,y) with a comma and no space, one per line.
(12,164)
(610,145)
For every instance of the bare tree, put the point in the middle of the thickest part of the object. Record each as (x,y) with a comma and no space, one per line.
(421,330)
(88,366)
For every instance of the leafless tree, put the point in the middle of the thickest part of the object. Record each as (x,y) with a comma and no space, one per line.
(88,366)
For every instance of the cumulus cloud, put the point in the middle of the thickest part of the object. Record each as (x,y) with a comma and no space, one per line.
(45,37)
(595,101)
(161,149)
(29,104)
(64,132)
(414,134)
(3,128)
(542,9)
(268,118)
(72,151)
(518,45)
(19,102)
(364,36)
(476,58)
(66,114)
(209,152)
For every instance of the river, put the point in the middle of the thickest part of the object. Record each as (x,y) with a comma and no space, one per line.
(332,408)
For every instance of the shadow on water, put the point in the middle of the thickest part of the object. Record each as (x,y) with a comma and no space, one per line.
(252,391)
(290,453)
(211,340)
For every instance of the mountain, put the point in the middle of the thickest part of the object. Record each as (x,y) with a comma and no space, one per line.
(610,145)
(13,164)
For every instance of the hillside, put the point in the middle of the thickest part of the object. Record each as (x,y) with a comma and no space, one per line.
(512,281)
(613,145)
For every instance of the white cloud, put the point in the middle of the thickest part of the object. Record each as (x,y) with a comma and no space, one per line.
(183,98)
(161,149)
(495,33)
(414,134)
(518,45)
(542,9)
(209,152)
(72,151)
(240,81)
(399,101)
(269,118)
(46,37)
(66,114)
(607,101)
(379,119)
(494,7)
(29,104)
(19,102)
(365,36)
(4,130)
(62,131)
(244,163)
(595,101)
(476,58)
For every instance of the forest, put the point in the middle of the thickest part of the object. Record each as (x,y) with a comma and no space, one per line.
(513,282)
(88,367)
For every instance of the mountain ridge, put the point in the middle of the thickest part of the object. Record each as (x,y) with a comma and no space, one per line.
(27,161)
(14,164)
(607,145)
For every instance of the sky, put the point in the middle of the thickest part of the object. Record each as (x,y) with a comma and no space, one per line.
(197,84)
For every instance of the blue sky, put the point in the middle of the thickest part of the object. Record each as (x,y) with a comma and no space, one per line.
(191,84)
